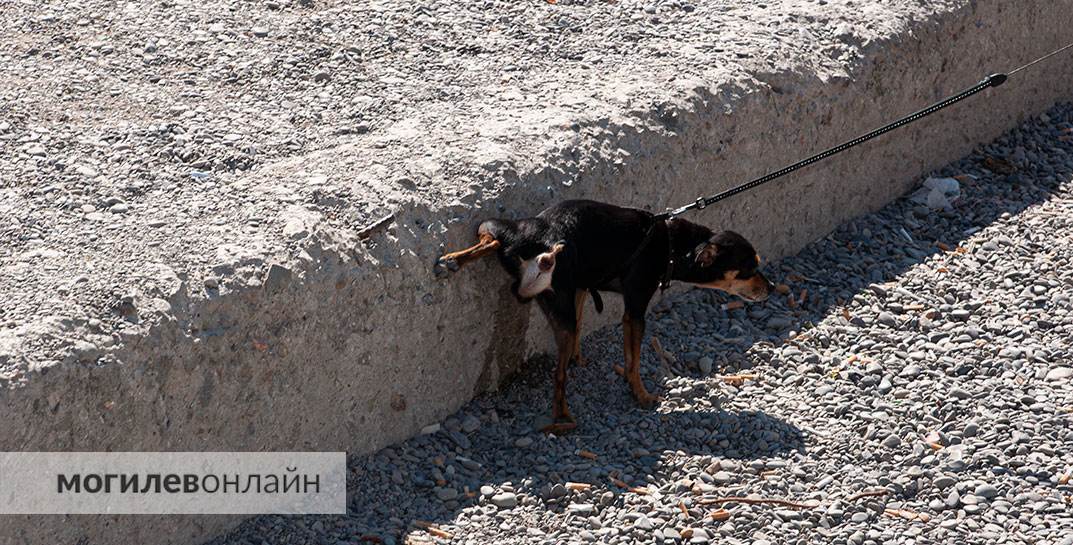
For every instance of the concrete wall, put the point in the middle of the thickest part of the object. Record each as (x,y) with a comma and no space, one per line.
(323,352)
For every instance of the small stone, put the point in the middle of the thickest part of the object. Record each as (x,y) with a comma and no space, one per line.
(1059,373)
(446,493)
(470,424)
(959,393)
(584,509)
(1010,352)
(910,371)
(943,482)
(212,283)
(705,365)
(523,442)
(505,500)
(986,491)
(778,323)
(260,31)
(892,441)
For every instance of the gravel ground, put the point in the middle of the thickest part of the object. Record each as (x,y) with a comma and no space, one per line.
(133,135)
(923,355)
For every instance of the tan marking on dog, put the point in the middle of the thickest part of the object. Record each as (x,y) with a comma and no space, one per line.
(537,273)
(752,289)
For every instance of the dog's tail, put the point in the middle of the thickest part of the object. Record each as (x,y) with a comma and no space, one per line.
(596,300)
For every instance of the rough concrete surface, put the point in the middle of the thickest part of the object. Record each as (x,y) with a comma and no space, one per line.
(185,188)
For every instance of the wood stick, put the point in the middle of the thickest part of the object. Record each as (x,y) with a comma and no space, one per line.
(443,534)
(666,359)
(682,507)
(366,231)
(432,529)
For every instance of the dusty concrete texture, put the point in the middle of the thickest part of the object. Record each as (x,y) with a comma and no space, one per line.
(250,308)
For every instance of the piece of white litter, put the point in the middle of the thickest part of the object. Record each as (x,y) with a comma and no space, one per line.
(905,234)
(938,193)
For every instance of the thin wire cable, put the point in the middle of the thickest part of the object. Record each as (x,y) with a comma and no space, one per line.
(994,80)
(1041,59)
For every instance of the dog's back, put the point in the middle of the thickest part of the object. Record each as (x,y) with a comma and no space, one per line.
(600,239)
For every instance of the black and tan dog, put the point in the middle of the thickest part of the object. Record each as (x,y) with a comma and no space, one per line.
(585,247)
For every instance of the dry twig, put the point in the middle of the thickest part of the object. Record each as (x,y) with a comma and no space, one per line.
(685,512)
(666,359)
(432,529)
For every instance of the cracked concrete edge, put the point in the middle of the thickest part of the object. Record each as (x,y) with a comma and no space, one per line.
(347,344)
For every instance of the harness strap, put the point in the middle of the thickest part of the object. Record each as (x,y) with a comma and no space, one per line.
(665,280)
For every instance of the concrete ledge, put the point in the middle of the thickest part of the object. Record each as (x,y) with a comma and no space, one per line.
(324,338)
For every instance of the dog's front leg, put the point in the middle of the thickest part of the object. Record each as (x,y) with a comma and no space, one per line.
(562,421)
(558,308)
(633,332)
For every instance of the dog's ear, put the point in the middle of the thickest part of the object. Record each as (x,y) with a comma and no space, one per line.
(705,253)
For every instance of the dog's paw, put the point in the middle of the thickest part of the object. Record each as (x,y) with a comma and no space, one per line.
(560,428)
(647,400)
(444,267)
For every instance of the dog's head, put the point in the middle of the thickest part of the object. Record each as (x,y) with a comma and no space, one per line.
(723,261)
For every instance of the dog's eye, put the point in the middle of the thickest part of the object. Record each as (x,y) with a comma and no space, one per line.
(745,274)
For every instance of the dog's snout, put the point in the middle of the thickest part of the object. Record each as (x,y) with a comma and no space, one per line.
(762,288)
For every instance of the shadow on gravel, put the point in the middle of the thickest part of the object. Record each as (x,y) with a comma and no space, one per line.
(491,442)
(434,478)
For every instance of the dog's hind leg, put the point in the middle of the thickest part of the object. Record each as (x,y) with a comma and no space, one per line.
(453,261)
(635,298)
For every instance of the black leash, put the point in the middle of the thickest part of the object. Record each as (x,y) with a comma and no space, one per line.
(994,80)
